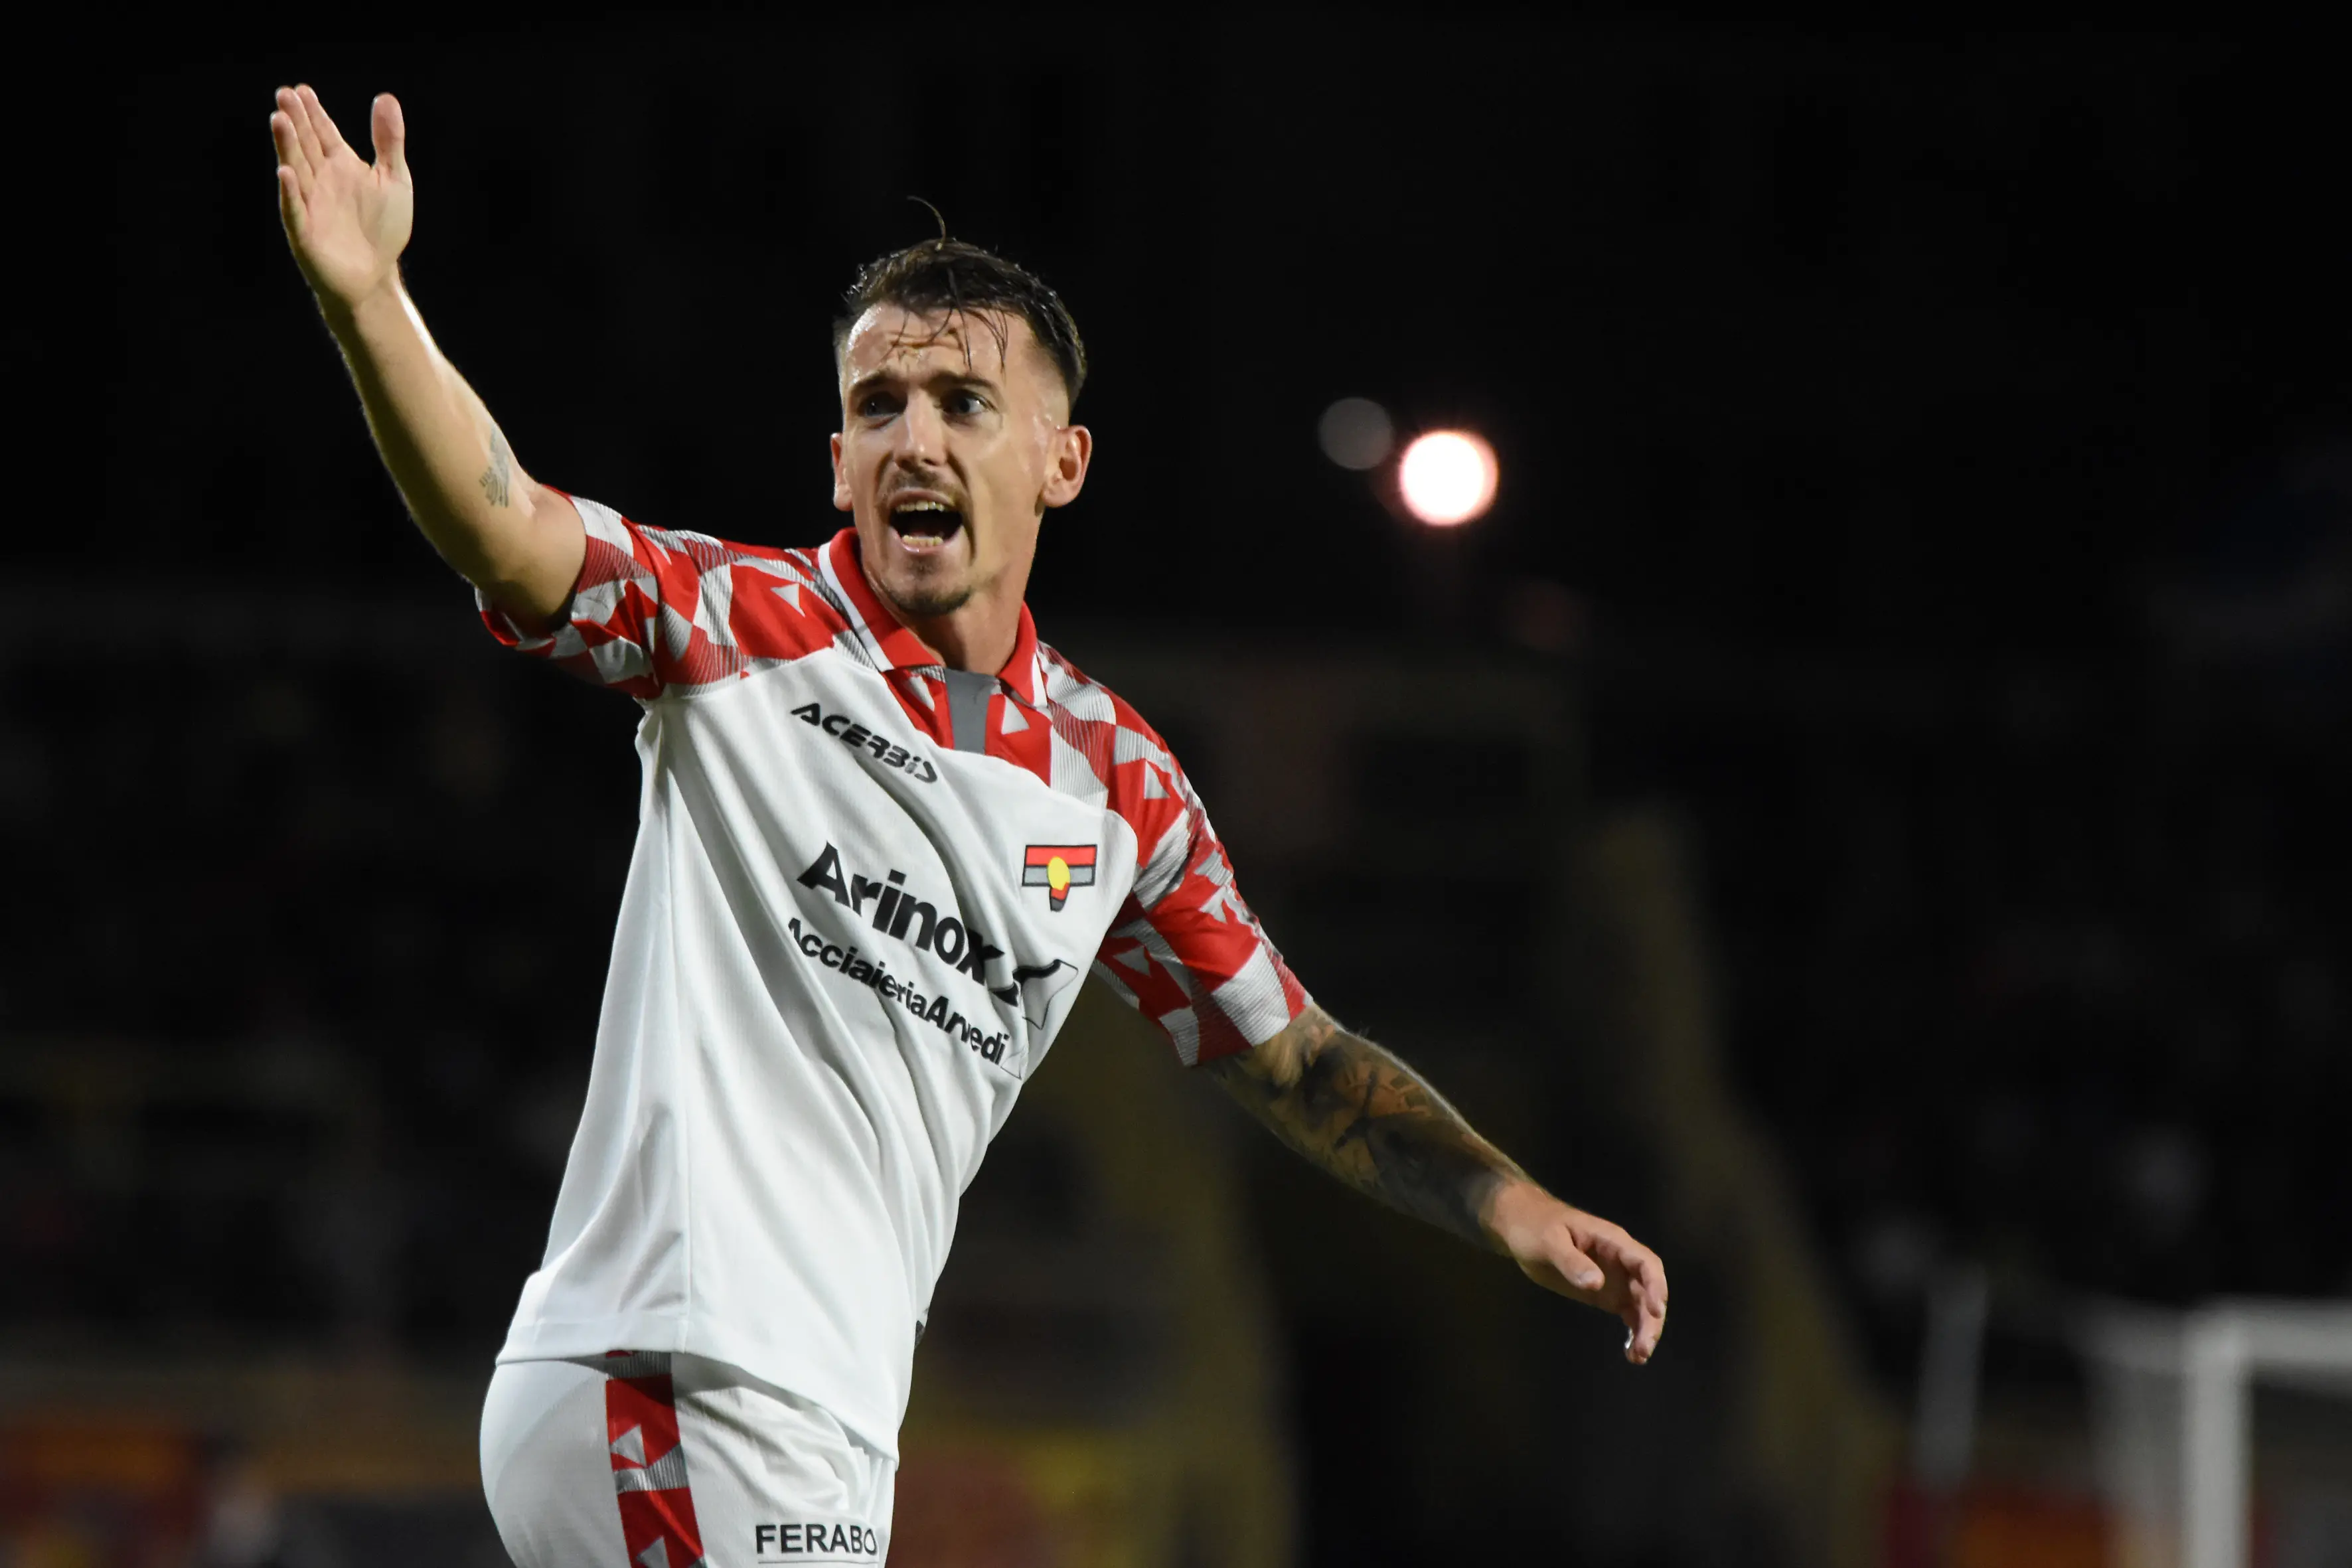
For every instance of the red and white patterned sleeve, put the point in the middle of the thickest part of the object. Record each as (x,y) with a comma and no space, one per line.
(656,610)
(1185,951)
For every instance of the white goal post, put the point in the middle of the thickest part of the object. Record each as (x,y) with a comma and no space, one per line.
(2171,1401)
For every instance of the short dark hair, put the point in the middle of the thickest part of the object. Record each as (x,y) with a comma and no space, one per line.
(946,274)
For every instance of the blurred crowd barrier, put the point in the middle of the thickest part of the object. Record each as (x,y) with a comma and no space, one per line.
(140,1460)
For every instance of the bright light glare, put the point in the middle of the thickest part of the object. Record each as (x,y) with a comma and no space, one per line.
(1356,433)
(1448,477)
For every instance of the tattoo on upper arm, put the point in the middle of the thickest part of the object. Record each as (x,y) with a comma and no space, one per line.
(496,480)
(1360,1113)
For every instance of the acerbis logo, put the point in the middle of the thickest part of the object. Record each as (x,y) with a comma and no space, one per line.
(849,732)
(1058,867)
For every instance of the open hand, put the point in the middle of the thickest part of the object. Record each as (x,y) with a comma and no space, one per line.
(347,220)
(1585,1259)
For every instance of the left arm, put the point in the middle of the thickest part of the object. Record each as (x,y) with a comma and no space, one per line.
(1354,1109)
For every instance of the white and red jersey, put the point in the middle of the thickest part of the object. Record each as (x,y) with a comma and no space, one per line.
(864,891)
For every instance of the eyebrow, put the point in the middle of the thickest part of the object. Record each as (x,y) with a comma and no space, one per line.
(942,378)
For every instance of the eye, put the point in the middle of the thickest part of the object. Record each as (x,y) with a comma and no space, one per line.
(965,401)
(877,406)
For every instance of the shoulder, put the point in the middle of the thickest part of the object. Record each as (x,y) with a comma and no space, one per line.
(705,552)
(649,549)
(1185,949)
(1105,750)
(1121,750)
(707,603)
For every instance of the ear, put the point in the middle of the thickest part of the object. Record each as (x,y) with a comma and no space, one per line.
(841,497)
(1073,450)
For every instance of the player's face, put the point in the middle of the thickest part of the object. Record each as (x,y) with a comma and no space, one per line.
(955,438)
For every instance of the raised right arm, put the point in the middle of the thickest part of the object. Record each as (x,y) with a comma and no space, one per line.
(347,221)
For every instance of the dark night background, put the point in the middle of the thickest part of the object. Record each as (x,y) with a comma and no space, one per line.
(1927,458)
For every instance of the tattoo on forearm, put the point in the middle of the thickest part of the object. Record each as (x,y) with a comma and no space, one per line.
(1360,1113)
(496,480)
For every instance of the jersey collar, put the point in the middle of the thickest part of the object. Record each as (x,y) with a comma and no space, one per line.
(899,648)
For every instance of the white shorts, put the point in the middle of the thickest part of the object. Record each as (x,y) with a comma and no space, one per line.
(647,1459)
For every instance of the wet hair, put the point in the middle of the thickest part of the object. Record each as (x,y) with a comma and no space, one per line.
(946,274)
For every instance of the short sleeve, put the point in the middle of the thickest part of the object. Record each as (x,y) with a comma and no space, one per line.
(1186,950)
(655,609)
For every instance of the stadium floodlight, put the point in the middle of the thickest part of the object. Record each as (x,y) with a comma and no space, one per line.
(1447,478)
(1356,433)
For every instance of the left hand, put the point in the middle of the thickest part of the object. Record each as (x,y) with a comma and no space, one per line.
(348,219)
(1585,1259)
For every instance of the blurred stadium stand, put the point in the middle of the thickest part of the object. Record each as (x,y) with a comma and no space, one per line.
(292,1063)
(2034,968)
(1906,979)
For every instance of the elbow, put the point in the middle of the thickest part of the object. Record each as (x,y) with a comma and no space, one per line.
(530,563)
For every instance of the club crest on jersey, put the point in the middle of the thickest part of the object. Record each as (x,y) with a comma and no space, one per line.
(1058,867)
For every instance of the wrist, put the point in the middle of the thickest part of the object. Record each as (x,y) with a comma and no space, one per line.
(1518,1209)
(365,316)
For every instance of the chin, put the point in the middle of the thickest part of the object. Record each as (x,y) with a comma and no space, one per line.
(927,597)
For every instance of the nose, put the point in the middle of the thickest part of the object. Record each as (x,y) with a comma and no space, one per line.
(921,433)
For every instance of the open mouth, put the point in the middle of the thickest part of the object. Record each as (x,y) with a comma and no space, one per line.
(925,522)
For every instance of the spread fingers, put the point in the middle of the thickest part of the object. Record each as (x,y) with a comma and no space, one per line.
(322,124)
(288,137)
(306,134)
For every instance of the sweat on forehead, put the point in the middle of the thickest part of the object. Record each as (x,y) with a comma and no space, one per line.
(981,341)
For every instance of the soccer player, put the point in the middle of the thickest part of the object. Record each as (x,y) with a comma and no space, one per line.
(883,832)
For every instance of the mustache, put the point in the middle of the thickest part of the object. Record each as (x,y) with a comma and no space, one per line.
(940,486)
